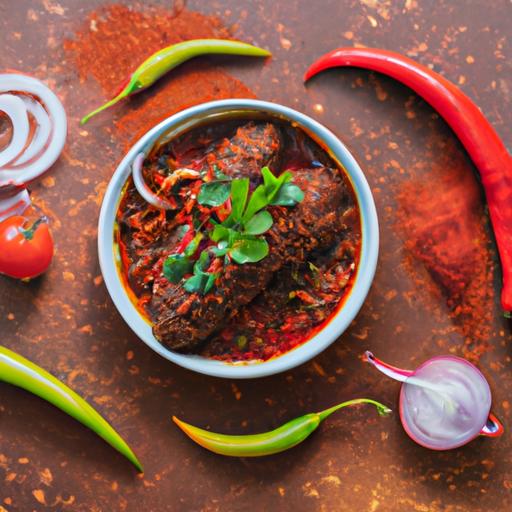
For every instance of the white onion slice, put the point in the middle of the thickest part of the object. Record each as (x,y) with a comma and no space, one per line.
(16,110)
(142,188)
(15,205)
(146,192)
(33,167)
(41,135)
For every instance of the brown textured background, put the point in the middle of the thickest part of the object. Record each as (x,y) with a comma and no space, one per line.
(66,322)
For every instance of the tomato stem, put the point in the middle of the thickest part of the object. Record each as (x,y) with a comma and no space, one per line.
(29,233)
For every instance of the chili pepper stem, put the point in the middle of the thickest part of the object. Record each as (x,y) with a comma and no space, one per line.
(123,94)
(381,408)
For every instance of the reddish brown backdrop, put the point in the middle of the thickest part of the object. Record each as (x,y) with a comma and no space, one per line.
(436,289)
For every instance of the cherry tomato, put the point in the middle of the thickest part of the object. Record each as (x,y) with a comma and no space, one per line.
(25,250)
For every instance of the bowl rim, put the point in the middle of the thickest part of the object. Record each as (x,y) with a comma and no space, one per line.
(337,324)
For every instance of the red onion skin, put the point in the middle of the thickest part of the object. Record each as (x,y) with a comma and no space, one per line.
(402,375)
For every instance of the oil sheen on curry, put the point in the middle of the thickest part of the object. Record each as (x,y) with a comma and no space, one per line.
(256,249)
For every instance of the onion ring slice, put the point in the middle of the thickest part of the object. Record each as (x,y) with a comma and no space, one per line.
(15,205)
(146,193)
(142,188)
(42,133)
(17,112)
(24,173)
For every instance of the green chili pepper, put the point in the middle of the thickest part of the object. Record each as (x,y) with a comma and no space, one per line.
(158,64)
(18,371)
(256,445)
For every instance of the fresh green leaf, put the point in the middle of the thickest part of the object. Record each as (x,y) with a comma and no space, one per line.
(201,282)
(257,202)
(239,192)
(213,193)
(269,180)
(258,224)
(219,233)
(194,284)
(249,250)
(202,262)
(272,184)
(210,282)
(176,266)
(219,251)
(288,195)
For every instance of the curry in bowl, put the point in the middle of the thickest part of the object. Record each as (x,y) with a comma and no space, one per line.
(250,242)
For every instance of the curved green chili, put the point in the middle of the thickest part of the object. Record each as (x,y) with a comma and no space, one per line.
(161,62)
(20,372)
(282,438)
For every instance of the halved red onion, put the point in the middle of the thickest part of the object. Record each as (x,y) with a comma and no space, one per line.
(16,110)
(143,189)
(14,205)
(39,153)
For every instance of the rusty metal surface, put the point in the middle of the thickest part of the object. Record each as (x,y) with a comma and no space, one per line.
(66,322)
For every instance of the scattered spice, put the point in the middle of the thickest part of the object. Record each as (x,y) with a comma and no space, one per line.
(444,228)
(122,38)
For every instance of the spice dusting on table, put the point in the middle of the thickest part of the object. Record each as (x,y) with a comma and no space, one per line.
(444,229)
(116,39)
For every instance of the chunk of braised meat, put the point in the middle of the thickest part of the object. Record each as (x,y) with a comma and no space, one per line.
(184,320)
(253,146)
(243,154)
(150,234)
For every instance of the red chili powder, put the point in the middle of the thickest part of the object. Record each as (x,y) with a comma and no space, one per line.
(116,39)
(444,227)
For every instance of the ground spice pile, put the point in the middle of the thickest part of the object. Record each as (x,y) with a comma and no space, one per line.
(444,226)
(116,39)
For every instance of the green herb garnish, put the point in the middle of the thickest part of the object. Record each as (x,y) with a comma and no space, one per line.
(176,266)
(201,282)
(238,237)
(214,193)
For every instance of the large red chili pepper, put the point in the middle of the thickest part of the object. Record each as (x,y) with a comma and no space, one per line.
(481,141)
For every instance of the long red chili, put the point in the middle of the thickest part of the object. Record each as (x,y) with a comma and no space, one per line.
(481,141)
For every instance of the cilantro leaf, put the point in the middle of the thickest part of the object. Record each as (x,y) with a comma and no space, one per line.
(176,266)
(258,224)
(213,193)
(257,202)
(239,193)
(273,184)
(249,250)
(288,195)
(194,284)
(201,282)
(223,233)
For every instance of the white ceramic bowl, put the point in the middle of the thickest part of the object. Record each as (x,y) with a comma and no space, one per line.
(176,125)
